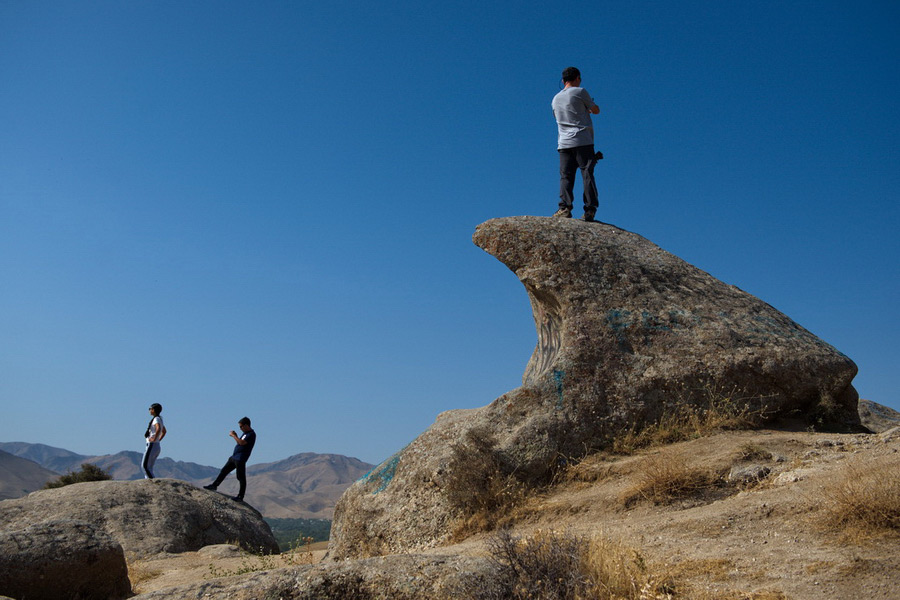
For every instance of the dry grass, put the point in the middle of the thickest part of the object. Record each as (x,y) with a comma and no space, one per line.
(752,452)
(301,553)
(486,494)
(714,411)
(561,566)
(553,565)
(729,594)
(477,486)
(667,476)
(592,469)
(863,499)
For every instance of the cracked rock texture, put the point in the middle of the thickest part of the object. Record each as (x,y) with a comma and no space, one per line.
(145,517)
(625,331)
(60,559)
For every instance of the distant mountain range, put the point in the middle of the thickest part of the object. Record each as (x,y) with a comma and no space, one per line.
(303,486)
(20,476)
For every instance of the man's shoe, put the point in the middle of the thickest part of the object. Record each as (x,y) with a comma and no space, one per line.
(565,213)
(210,487)
(589,217)
(237,499)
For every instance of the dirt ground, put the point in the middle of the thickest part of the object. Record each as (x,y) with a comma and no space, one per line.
(760,539)
(764,538)
(171,570)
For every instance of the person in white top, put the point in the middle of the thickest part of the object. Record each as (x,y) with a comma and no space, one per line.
(156,431)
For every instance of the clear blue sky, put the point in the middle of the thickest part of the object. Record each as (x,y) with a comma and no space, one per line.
(266,208)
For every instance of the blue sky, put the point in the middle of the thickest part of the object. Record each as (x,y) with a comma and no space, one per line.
(266,208)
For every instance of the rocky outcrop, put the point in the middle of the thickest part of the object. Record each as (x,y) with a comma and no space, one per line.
(877,417)
(146,517)
(61,559)
(626,332)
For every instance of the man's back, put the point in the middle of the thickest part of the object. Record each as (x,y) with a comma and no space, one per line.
(571,107)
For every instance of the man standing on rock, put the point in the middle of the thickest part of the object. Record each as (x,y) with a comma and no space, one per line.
(238,459)
(573,108)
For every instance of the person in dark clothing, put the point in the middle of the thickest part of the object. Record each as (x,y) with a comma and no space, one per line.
(238,459)
(573,108)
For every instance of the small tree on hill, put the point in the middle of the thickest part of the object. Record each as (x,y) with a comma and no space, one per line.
(88,472)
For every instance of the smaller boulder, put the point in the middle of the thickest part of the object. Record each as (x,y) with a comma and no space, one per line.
(62,559)
(748,474)
(147,517)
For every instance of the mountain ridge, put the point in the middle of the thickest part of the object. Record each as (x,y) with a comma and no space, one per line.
(304,485)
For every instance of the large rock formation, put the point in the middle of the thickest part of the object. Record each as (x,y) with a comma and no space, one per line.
(146,517)
(626,331)
(57,560)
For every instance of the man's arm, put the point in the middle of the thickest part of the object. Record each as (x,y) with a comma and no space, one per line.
(589,103)
(240,440)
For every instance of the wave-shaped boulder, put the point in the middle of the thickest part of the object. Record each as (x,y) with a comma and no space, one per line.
(626,331)
(146,517)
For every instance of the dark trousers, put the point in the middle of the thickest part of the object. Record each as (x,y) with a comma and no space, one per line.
(570,160)
(230,466)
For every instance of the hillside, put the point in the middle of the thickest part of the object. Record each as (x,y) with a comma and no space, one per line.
(19,476)
(123,465)
(303,486)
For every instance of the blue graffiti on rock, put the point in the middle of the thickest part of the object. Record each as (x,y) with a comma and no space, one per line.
(383,474)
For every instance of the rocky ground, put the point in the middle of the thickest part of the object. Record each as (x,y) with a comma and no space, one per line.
(765,539)
(166,571)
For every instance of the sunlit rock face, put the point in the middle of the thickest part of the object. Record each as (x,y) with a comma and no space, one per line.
(625,332)
(147,516)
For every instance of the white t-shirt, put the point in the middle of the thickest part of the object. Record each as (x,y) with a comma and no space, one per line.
(154,432)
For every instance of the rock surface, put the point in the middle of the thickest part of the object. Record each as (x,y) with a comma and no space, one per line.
(401,577)
(61,559)
(626,331)
(876,417)
(146,517)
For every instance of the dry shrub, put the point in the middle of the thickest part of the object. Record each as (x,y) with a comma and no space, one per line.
(752,452)
(88,472)
(477,486)
(691,418)
(553,565)
(864,498)
(667,476)
(618,571)
(561,566)
(591,469)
